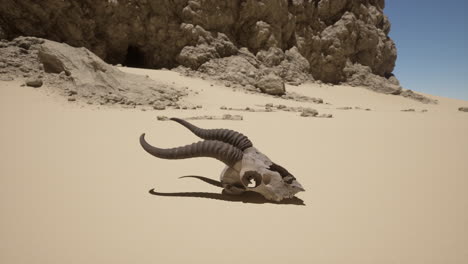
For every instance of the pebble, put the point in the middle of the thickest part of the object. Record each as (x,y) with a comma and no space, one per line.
(307,112)
(159,107)
(325,116)
(34,82)
(71,92)
(232,117)
(162,118)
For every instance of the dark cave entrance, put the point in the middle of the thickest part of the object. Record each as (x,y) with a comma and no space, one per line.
(134,58)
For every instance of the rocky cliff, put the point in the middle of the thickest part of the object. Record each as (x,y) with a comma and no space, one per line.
(328,40)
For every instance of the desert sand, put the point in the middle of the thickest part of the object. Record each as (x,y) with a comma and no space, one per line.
(382,186)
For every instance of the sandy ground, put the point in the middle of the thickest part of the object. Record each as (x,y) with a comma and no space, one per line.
(383,186)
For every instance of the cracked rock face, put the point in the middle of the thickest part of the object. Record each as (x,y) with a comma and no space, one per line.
(324,36)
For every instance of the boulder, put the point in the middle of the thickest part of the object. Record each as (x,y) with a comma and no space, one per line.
(271,84)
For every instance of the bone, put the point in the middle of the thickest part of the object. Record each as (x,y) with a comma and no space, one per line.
(225,135)
(207,180)
(244,163)
(209,148)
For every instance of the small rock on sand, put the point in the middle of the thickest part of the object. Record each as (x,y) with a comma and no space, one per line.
(463,109)
(159,106)
(162,118)
(281,107)
(408,110)
(72,92)
(232,117)
(325,116)
(306,112)
(6,78)
(34,82)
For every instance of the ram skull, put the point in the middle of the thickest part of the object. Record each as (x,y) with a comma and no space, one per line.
(247,169)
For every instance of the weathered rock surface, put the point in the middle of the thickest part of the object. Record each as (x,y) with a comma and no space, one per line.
(78,73)
(293,39)
(248,70)
(360,75)
(418,97)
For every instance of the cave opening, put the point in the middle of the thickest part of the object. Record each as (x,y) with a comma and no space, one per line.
(134,58)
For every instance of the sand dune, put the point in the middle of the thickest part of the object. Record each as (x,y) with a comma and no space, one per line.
(383,186)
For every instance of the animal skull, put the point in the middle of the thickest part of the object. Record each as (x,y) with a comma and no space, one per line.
(247,169)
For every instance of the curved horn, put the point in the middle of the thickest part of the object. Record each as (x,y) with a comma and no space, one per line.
(234,138)
(208,148)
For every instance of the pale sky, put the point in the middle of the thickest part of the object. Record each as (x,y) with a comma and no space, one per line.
(432,42)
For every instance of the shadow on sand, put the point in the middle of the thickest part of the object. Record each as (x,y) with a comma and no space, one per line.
(247,197)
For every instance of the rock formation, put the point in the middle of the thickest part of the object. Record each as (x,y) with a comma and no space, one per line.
(79,73)
(328,40)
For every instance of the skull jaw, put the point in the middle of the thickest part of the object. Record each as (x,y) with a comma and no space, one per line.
(274,193)
(237,190)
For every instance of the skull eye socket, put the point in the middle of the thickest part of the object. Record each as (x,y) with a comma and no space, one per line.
(251,179)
